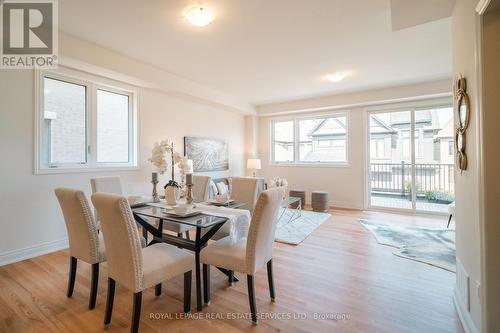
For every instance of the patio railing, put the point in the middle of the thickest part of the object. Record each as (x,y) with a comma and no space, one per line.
(395,178)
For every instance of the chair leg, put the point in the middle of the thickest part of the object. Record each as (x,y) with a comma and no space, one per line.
(251,298)
(270,279)
(187,291)
(187,235)
(109,302)
(72,276)
(206,283)
(94,285)
(158,290)
(230,278)
(449,221)
(136,312)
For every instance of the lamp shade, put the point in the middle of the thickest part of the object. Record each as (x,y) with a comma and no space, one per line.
(253,163)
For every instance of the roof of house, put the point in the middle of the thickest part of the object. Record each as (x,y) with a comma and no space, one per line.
(329,126)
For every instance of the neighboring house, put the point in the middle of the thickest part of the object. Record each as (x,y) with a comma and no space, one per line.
(390,140)
(390,151)
(444,144)
(326,141)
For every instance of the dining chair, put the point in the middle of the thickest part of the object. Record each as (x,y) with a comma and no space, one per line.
(107,185)
(201,188)
(247,255)
(133,267)
(85,242)
(113,185)
(244,190)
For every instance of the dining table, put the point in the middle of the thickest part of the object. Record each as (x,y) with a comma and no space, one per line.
(209,220)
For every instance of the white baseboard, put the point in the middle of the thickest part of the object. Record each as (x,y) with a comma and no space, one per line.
(346,205)
(463,314)
(340,204)
(32,251)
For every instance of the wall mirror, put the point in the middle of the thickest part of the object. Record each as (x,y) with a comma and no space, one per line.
(462,111)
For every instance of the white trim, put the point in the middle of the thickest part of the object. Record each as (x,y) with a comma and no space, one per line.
(463,314)
(344,205)
(399,107)
(482,6)
(478,57)
(33,251)
(92,84)
(296,140)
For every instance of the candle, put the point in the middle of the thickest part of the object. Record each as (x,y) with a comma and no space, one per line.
(154,177)
(189,164)
(189,179)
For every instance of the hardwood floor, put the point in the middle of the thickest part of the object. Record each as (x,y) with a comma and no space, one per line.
(338,270)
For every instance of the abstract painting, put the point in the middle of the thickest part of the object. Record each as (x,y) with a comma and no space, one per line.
(207,154)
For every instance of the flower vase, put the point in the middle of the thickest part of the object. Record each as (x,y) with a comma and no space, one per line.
(171,195)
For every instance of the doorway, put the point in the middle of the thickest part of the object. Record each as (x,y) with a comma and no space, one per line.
(411,159)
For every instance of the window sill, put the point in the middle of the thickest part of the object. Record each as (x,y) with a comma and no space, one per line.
(311,165)
(52,171)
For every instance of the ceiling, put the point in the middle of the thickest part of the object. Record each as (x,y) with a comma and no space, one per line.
(264,51)
(409,13)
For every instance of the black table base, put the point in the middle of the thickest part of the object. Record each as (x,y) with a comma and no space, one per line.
(195,245)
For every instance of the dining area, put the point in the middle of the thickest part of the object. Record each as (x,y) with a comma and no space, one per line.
(146,241)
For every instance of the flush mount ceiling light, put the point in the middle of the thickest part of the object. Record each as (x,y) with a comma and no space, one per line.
(335,77)
(199,15)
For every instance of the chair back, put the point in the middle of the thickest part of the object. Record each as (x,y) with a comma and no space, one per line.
(201,187)
(244,190)
(262,229)
(121,237)
(80,225)
(107,185)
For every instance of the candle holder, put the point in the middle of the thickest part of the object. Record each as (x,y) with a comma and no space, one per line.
(189,194)
(156,198)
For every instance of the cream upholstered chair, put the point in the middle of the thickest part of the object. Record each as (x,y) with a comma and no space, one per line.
(133,267)
(248,255)
(107,185)
(85,243)
(113,185)
(244,190)
(201,188)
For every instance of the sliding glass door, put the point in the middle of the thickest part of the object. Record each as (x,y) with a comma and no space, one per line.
(411,159)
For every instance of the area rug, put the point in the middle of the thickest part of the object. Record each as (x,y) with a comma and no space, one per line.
(295,231)
(431,246)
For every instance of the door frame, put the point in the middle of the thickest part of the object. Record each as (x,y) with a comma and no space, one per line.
(443,100)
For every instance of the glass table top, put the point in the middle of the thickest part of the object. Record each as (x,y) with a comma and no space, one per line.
(200,220)
(290,200)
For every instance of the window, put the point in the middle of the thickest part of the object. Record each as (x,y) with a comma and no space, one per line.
(310,140)
(64,123)
(407,144)
(451,147)
(112,127)
(283,138)
(84,124)
(377,148)
(322,139)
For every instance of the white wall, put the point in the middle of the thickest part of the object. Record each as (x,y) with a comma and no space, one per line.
(345,184)
(491,160)
(30,218)
(467,216)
